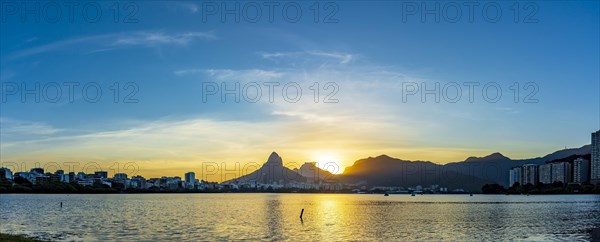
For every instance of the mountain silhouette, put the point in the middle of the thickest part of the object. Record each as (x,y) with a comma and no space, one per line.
(470,174)
(271,172)
(495,167)
(492,157)
(315,174)
(384,170)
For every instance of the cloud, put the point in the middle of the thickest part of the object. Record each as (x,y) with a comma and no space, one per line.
(246,75)
(339,57)
(110,41)
(160,38)
(54,46)
(192,8)
(508,110)
(342,57)
(17,128)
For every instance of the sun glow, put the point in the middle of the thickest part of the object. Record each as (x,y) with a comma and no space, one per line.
(329,163)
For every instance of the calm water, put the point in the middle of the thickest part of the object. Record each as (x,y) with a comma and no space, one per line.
(128,217)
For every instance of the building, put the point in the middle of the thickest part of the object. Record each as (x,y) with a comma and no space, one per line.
(530,174)
(64,178)
(39,171)
(138,182)
(81,176)
(120,177)
(515,176)
(190,177)
(86,182)
(101,174)
(581,170)
(27,175)
(6,173)
(561,172)
(545,171)
(595,163)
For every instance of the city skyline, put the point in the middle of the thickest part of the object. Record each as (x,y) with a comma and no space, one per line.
(219,170)
(566,167)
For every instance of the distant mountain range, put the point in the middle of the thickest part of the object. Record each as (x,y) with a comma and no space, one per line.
(470,174)
(495,167)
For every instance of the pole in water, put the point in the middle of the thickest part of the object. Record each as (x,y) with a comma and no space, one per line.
(301,212)
(61,204)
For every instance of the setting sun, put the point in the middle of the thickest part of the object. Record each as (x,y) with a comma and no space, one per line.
(329,163)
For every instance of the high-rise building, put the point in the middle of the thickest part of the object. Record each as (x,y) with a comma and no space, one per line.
(545,171)
(581,170)
(190,177)
(64,178)
(6,173)
(515,175)
(530,174)
(595,164)
(39,171)
(120,177)
(101,174)
(561,172)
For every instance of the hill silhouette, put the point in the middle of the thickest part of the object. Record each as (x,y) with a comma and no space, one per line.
(470,174)
(387,171)
(272,172)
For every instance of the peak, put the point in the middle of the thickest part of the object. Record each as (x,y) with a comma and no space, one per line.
(493,156)
(274,158)
(383,156)
(273,154)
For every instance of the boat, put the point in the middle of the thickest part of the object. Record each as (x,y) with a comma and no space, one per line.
(386,194)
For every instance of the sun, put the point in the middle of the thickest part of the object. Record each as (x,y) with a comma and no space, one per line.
(329,163)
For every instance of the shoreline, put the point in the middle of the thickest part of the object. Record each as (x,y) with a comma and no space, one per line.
(408,194)
(19,238)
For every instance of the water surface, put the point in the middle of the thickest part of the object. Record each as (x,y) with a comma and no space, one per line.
(192,217)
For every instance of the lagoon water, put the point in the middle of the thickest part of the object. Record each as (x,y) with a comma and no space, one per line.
(194,217)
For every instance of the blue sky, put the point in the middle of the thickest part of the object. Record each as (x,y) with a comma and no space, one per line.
(368,52)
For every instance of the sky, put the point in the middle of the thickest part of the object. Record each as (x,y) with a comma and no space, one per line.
(164,87)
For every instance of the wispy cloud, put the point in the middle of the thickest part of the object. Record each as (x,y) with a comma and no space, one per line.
(342,57)
(192,8)
(112,41)
(339,57)
(61,44)
(508,110)
(234,75)
(11,127)
(160,38)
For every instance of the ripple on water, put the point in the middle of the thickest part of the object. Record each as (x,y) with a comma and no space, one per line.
(191,217)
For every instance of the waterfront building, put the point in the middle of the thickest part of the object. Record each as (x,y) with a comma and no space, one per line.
(6,173)
(515,176)
(581,170)
(595,163)
(561,172)
(530,174)
(545,171)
